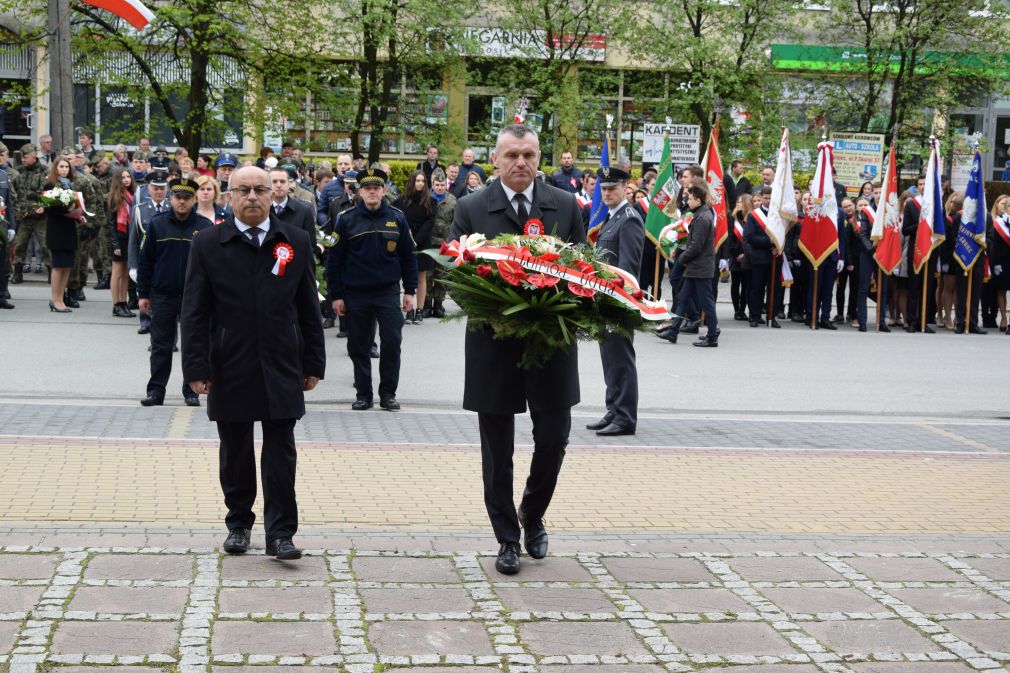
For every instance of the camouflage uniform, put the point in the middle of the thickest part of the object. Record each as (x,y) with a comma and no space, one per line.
(103,263)
(87,233)
(28,187)
(443,222)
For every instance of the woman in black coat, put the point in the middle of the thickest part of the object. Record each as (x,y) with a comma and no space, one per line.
(420,208)
(61,234)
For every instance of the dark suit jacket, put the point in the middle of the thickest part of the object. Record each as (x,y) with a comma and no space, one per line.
(299,215)
(254,334)
(493,382)
(622,239)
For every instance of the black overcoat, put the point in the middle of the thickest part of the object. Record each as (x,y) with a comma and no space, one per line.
(493,382)
(253,334)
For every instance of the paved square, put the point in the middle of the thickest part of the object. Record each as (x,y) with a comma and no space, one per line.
(417,600)
(123,638)
(274,638)
(803,568)
(657,570)
(580,638)
(8,634)
(917,667)
(27,566)
(990,636)
(150,600)
(404,570)
(993,568)
(430,638)
(863,637)
(728,639)
(950,600)
(550,599)
(140,567)
(19,599)
(690,600)
(256,567)
(287,600)
(904,569)
(552,569)
(816,600)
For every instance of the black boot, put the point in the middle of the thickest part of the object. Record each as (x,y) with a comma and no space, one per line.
(70,299)
(103,283)
(131,295)
(18,277)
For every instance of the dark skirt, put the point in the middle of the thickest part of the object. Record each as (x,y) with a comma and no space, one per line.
(62,259)
(122,242)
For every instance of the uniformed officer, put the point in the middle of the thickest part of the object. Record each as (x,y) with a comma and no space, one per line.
(161,277)
(224,166)
(28,209)
(373,253)
(7,224)
(621,242)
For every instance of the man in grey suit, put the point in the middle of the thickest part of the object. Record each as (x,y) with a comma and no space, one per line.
(289,210)
(621,240)
(494,386)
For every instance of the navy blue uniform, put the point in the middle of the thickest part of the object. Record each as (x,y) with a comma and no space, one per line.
(161,277)
(373,254)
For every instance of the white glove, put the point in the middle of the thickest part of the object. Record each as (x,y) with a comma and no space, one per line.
(133,275)
(796,263)
(998,269)
(11,232)
(945,268)
(724,265)
(841,265)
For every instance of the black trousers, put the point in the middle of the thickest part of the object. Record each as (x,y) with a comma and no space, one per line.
(915,280)
(497,446)
(364,309)
(738,289)
(165,311)
(620,373)
(759,276)
(237,471)
(5,267)
(867,268)
(798,292)
(961,295)
(821,304)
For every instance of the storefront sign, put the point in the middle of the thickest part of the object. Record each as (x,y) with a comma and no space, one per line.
(534,44)
(859,158)
(961,161)
(685,143)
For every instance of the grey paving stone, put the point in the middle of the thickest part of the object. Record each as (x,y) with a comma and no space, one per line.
(404,569)
(429,637)
(794,568)
(152,600)
(19,599)
(439,599)
(657,570)
(869,636)
(810,600)
(550,599)
(736,638)
(567,638)
(27,566)
(950,600)
(993,568)
(991,636)
(278,638)
(264,669)
(605,668)
(8,633)
(139,567)
(910,667)
(690,600)
(106,669)
(419,669)
(314,600)
(904,569)
(550,569)
(268,568)
(765,668)
(128,638)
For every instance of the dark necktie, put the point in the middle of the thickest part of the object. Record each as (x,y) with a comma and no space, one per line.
(254,235)
(524,213)
(278,208)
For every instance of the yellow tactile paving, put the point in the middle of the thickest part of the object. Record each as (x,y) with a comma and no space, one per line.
(437,487)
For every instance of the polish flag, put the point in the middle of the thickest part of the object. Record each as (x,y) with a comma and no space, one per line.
(886,224)
(819,232)
(133,12)
(932,220)
(713,176)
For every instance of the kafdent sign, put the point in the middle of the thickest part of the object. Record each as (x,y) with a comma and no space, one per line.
(685,143)
(534,44)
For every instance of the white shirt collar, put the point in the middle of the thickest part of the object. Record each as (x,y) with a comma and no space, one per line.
(264,226)
(276,205)
(511,193)
(622,204)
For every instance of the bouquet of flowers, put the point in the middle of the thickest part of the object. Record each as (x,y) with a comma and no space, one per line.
(58,197)
(544,291)
(672,236)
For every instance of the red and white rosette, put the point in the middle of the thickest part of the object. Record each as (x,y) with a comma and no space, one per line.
(534,227)
(283,253)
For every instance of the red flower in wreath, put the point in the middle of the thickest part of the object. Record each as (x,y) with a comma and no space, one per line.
(580,290)
(540,280)
(512,272)
(483,270)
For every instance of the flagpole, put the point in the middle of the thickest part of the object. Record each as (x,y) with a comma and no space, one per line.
(880,285)
(925,288)
(771,295)
(813,312)
(967,303)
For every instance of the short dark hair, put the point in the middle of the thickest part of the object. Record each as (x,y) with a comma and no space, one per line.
(735,163)
(88,133)
(588,173)
(695,170)
(431,146)
(324,173)
(448,166)
(766,190)
(698,188)
(517,130)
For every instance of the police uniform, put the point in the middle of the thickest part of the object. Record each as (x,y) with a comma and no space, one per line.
(143,213)
(373,253)
(7,226)
(161,277)
(621,241)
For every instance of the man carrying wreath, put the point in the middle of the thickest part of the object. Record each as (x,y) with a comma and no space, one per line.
(494,385)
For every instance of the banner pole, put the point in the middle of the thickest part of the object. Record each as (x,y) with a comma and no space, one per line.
(655,280)
(968,313)
(880,293)
(771,294)
(925,287)
(813,309)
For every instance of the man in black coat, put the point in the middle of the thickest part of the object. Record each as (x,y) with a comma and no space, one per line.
(288,210)
(621,241)
(252,340)
(494,386)
(909,227)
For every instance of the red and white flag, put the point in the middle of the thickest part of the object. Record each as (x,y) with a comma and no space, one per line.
(819,232)
(134,12)
(932,220)
(887,221)
(782,204)
(713,176)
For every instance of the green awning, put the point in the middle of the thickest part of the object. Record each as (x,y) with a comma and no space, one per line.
(853,59)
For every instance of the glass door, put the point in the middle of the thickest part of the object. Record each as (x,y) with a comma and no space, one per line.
(1001,147)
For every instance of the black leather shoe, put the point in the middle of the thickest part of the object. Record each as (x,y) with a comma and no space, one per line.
(70,299)
(283,549)
(600,424)
(910,329)
(389,403)
(975,329)
(882,327)
(534,536)
(615,430)
(143,330)
(104,283)
(79,294)
(691,327)
(151,401)
(740,315)
(670,336)
(362,403)
(775,323)
(18,276)
(862,328)
(341,334)
(237,541)
(824,324)
(929,330)
(507,562)
(328,323)
(6,304)
(705,342)
(192,401)
(374,352)
(755,323)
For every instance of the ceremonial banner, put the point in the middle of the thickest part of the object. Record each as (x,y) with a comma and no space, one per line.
(782,205)
(714,176)
(819,233)
(133,12)
(971,233)
(598,210)
(886,224)
(932,220)
(663,198)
